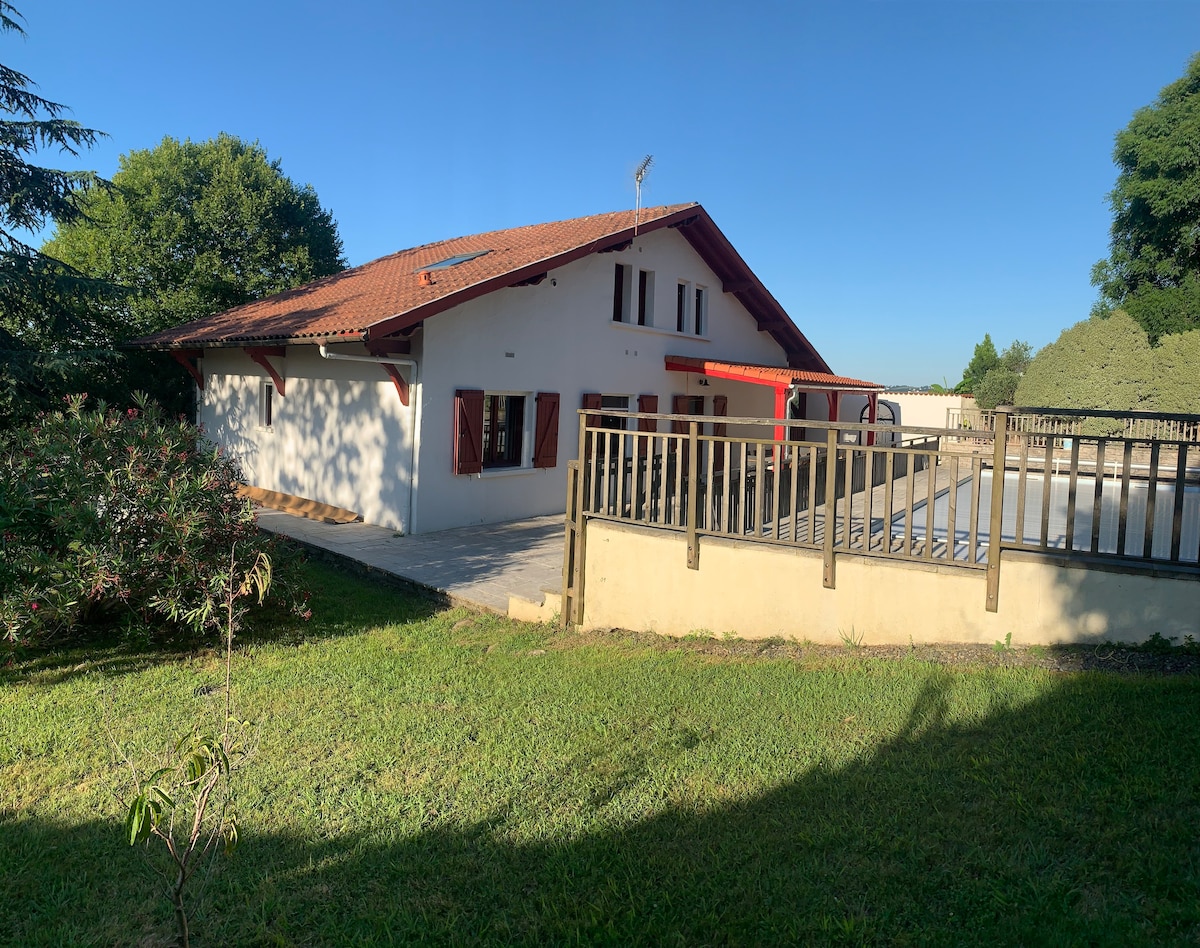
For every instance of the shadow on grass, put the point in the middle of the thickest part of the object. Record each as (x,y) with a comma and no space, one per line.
(343,603)
(1071,820)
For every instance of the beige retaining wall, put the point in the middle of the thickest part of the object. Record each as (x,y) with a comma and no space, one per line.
(637,578)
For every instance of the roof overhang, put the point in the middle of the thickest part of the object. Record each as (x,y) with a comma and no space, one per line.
(291,317)
(773,375)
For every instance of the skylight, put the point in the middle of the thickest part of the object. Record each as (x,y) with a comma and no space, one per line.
(453,261)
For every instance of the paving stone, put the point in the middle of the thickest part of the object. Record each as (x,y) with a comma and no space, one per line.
(481,565)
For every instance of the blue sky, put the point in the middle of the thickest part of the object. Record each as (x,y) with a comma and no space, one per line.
(904,177)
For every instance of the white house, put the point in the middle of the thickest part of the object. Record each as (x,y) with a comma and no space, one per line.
(438,386)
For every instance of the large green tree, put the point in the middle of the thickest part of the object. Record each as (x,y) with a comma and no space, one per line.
(192,228)
(1153,267)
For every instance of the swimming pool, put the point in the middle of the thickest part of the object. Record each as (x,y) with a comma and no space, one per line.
(1056,534)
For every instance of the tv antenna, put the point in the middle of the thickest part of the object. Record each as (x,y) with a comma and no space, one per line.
(638,177)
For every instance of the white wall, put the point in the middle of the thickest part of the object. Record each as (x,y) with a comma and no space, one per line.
(562,338)
(638,578)
(339,435)
(926,410)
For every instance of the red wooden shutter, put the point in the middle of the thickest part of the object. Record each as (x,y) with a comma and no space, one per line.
(468,431)
(719,430)
(591,401)
(679,406)
(545,432)
(720,409)
(646,403)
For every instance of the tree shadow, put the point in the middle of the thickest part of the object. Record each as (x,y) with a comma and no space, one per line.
(1069,820)
(344,602)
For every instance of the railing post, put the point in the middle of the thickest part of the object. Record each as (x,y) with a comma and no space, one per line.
(581,490)
(571,551)
(693,497)
(829,577)
(996,517)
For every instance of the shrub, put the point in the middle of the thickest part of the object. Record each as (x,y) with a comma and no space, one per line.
(128,518)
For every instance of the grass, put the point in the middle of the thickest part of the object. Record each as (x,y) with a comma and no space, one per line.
(444,777)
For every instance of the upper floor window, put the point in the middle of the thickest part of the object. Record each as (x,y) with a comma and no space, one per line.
(700,312)
(645,312)
(691,308)
(621,286)
(633,301)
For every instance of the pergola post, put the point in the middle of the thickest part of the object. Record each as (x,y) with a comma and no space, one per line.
(781,399)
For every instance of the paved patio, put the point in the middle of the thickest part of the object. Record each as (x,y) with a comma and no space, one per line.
(512,568)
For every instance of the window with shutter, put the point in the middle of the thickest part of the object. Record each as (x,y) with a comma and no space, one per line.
(468,431)
(545,432)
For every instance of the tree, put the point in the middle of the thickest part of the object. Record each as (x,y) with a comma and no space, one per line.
(1154,261)
(993,377)
(1100,363)
(32,284)
(32,196)
(192,228)
(982,361)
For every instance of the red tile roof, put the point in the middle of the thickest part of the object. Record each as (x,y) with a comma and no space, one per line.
(768,374)
(386,296)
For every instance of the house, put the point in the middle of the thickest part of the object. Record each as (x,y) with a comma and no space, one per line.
(438,386)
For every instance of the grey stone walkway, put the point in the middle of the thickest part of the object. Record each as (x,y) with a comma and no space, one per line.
(512,568)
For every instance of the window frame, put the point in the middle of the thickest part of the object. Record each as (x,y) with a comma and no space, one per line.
(266,405)
(622,292)
(514,454)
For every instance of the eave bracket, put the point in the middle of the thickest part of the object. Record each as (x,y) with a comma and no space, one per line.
(190,360)
(260,354)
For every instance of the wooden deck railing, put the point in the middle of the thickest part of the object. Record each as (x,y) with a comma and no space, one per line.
(1131,499)
(1066,423)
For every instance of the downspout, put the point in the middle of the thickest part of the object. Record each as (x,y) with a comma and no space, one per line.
(793,403)
(412,440)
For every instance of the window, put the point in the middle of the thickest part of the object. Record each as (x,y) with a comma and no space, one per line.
(452,261)
(621,286)
(645,298)
(266,404)
(503,430)
(617,402)
(681,304)
(633,300)
(700,313)
(491,431)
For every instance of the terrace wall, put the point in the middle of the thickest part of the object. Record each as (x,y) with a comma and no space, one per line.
(638,578)
(685,528)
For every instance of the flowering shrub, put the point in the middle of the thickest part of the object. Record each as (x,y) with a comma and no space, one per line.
(125,517)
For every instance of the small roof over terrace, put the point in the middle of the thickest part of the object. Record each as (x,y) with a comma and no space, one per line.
(783,380)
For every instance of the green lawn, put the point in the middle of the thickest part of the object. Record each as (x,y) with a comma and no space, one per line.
(442,777)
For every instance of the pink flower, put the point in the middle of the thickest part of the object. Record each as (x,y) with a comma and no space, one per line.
(33,606)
